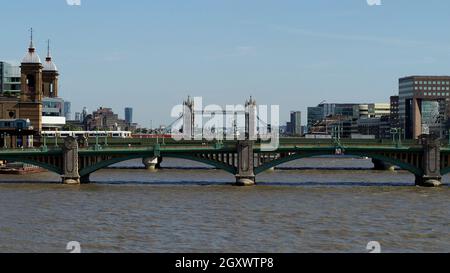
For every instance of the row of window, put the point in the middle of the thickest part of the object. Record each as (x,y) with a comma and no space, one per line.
(434,88)
(436,94)
(432,82)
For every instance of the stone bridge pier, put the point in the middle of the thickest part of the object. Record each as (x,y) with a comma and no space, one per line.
(431,163)
(71,175)
(245,175)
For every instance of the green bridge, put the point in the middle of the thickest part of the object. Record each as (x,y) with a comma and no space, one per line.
(426,158)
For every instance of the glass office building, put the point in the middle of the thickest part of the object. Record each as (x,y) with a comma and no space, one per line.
(9,79)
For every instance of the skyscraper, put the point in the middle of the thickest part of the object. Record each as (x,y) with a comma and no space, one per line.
(129,115)
(295,124)
(67,110)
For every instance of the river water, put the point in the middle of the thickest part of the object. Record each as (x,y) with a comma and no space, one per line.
(308,206)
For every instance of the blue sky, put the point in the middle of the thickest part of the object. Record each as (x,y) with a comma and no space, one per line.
(295,53)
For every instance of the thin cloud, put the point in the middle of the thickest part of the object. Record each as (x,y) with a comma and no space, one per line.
(356,38)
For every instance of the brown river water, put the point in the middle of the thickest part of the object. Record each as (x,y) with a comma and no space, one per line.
(311,205)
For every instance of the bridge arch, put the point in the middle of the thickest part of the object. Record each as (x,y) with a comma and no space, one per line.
(403,165)
(46,166)
(106,163)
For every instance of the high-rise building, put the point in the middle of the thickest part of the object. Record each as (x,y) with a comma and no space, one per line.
(68,110)
(9,79)
(129,115)
(294,127)
(423,102)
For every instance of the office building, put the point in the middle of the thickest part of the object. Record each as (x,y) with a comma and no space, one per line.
(372,110)
(315,115)
(294,126)
(325,113)
(68,110)
(9,79)
(423,102)
(129,115)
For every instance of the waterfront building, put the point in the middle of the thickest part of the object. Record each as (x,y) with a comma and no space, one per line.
(30,92)
(423,103)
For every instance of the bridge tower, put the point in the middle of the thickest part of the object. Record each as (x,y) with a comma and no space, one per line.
(431,164)
(188,119)
(246,158)
(30,103)
(250,120)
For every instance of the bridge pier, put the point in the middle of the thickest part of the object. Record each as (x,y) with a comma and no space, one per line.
(152,163)
(245,175)
(431,164)
(379,165)
(70,154)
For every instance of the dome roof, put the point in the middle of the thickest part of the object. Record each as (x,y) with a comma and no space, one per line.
(49,65)
(31,57)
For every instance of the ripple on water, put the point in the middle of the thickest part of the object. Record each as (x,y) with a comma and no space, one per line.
(197,211)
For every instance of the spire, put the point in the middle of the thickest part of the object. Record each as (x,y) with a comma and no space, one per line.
(31,40)
(49,56)
(49,65)
(31,56)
